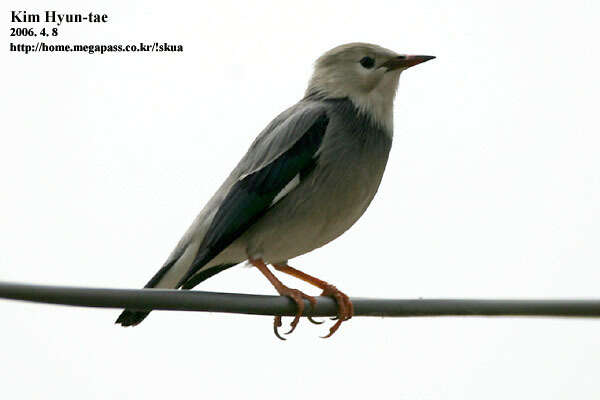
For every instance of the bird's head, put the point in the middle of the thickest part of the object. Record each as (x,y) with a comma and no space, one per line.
(365,73)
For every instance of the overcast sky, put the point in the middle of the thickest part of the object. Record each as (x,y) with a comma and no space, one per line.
(492,190)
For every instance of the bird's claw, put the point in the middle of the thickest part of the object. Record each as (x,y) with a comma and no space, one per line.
(345,307)
(276,325)
(298,298)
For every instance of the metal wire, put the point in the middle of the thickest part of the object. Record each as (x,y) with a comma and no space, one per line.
(161,299)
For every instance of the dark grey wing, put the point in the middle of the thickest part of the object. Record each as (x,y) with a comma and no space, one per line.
(272,163)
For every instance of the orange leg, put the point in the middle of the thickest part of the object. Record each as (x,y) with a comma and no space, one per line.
(345,307)
(283,290)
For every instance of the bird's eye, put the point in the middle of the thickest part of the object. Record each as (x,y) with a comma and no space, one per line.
(367,62)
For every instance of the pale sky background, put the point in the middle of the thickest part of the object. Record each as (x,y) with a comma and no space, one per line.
(492,191)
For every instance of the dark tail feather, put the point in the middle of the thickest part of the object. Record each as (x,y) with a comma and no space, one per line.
(202,276)
(133,317)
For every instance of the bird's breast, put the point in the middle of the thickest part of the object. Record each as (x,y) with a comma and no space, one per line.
(330,199)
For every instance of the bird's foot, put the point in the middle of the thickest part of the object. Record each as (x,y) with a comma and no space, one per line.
(299,298)
(345,307)
(314,321)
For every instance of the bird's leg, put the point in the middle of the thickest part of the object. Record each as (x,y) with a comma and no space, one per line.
(345,307)
(283,290)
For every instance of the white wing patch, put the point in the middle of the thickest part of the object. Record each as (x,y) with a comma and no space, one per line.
(287,188)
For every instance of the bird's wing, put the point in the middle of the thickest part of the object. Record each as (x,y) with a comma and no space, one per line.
(284,152)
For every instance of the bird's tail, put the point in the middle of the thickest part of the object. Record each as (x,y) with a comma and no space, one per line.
(168,277)
(133,317)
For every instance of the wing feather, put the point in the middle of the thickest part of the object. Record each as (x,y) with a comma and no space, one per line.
(273,161)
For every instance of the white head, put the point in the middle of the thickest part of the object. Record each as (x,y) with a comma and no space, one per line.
(365,73)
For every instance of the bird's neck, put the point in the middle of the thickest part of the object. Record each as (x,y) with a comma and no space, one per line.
(378,107)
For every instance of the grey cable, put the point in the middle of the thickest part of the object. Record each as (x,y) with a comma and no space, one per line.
(159,299)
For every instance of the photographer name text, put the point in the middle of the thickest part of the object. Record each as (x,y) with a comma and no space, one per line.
(55,17)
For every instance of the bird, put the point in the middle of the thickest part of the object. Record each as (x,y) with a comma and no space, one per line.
(304,181)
